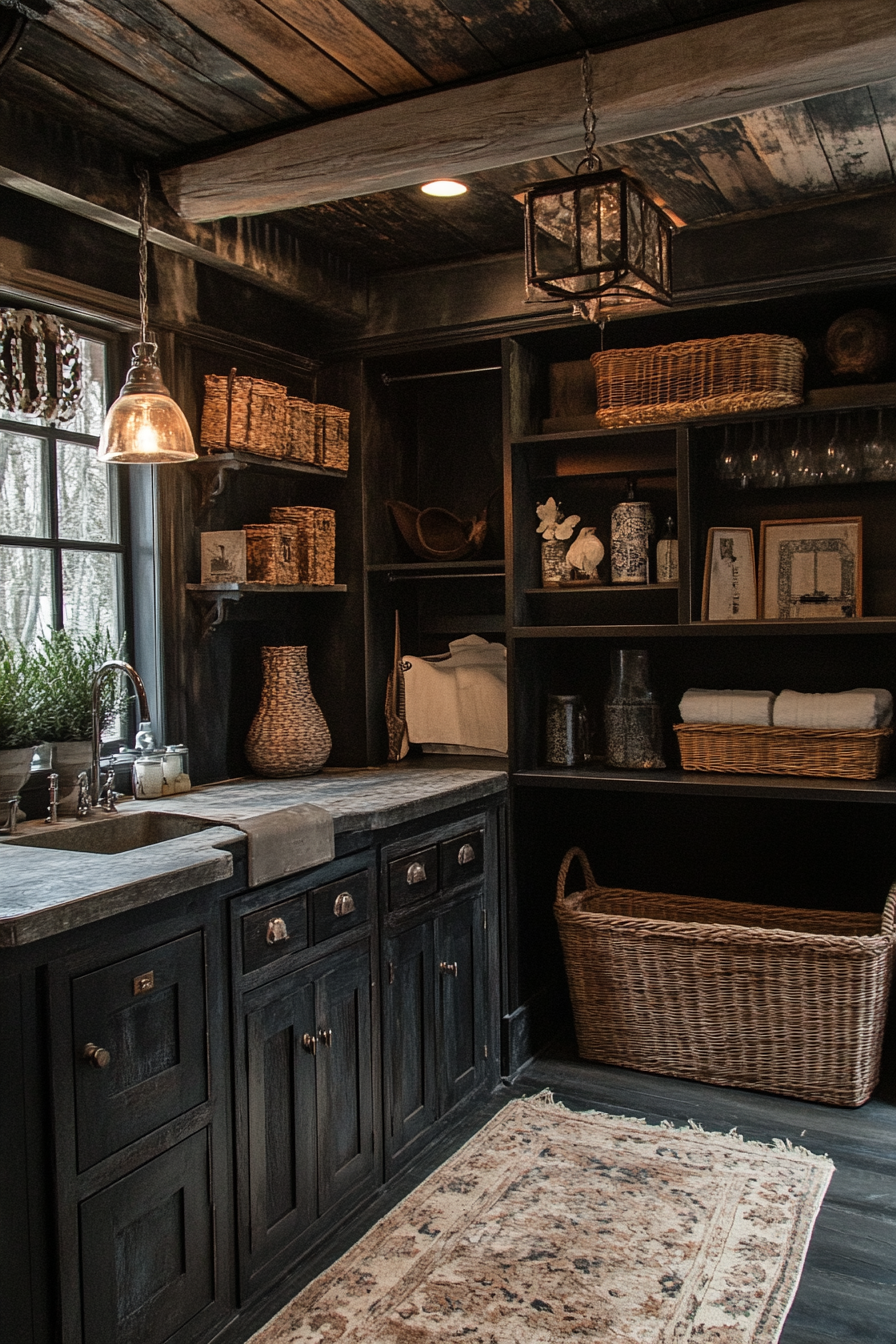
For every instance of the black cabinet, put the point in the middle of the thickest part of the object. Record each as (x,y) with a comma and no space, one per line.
(307,1096)
(438,1047)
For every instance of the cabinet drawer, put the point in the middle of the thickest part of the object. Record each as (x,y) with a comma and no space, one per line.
(274,932)
(413,877)
(461,857)
(339,906)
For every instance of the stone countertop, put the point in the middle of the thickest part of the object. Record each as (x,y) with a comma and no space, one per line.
(46,891)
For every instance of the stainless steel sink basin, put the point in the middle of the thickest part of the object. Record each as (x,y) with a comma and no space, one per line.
(114,834)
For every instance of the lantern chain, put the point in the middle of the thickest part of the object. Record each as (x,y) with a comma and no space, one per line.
(589,117)
(143,251)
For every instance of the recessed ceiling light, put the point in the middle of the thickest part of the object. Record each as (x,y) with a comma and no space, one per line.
(443,188)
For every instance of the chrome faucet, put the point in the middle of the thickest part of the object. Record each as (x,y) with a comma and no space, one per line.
(145,737)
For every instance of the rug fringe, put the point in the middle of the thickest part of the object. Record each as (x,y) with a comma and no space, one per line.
(547,1099)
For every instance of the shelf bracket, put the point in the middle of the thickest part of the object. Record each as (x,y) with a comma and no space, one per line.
(213,480)
(215,611)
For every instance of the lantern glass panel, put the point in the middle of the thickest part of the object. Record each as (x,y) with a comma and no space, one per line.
(555,234)
(610,195)
(634,210)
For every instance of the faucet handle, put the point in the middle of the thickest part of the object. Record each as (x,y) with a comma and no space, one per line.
(84,803)
(107,792)
(52,813)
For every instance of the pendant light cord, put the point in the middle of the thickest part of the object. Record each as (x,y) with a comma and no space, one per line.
(143,250)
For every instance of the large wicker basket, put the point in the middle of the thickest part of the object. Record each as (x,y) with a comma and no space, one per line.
(747,749)
(753,996)
(688,379)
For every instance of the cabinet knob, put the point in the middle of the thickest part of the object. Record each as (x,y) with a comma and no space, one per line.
(325,1037)
(466,854)
(448,968)
(277,931)
(310,1042)
(344,904)
(416,873)
(97,1056)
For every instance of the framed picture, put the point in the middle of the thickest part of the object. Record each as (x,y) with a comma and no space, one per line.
(811,569)
(223,557)
(729,575)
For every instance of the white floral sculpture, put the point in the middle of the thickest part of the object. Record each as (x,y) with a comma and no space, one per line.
(553,526)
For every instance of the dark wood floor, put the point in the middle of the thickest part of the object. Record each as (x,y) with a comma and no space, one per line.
(848,1289)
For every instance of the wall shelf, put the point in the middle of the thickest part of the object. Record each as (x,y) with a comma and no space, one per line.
(218,598)
(216,470)
(859,625)
(698,783)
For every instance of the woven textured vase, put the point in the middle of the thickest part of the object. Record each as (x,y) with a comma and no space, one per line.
(289,735)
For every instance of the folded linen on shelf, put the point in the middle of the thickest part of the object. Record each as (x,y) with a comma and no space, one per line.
(703,706)
(459,699)
(865,707)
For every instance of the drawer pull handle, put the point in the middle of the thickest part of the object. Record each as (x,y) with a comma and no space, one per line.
(97,1056)
(416,873)
(344,904)
(466,854)
(277,931)
(325,1037)
(448,968)
(310,1042)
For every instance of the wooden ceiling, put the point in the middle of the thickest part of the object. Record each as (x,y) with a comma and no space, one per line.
(183,78)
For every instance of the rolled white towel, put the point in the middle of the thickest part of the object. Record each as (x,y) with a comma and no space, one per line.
(751,707)
(865,707)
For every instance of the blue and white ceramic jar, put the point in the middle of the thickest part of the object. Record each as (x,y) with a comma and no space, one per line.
(631,529)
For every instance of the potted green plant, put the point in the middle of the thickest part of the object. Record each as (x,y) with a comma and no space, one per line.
(18,736)
(65,665)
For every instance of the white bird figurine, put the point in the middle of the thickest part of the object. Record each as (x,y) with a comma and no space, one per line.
(586,552)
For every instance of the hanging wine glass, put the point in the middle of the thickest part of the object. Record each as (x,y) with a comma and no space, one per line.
(728,469)
(750,462)
(840,464)
(879,453)
(799,458)
(770,463)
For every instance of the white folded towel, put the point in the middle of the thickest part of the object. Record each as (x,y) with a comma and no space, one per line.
(459,700)
(701,706)
(865,707)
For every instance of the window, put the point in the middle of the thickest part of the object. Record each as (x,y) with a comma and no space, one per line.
(61,528)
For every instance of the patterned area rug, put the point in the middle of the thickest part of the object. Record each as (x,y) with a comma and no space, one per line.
(555,1225)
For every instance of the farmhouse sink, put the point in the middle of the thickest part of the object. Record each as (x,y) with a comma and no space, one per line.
(114,834)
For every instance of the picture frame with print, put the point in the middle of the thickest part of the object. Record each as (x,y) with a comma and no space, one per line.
(810,569)
(223,557)
(729,575)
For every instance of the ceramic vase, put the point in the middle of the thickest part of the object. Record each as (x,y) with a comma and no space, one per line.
(15,767)
(554,564)
(68,760)
(289,735)
(631,529)
(631,714)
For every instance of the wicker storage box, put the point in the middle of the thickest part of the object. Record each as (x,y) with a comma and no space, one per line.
(300,429)
(748,750)
(694,378)
(331,443)
(760,997)
(316,541)
(272,553)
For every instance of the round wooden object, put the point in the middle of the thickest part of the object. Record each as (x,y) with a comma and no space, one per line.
(859,343)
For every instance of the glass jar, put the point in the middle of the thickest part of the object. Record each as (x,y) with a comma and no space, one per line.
(631,714)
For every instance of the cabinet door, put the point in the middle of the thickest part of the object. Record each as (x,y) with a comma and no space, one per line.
(280,1108)
(139,1033)
(147,1249)
(460,952)
(409,1064)
(344,1076)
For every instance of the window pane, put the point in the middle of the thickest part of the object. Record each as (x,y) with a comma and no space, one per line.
(89,419)
(84,494)
(26,592)
(91,583)
(23,493)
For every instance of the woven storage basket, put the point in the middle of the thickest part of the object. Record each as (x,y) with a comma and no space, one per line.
(244,415)
(757,750)
(333,442)
(694,378)
(316,540)
(761,997)
(272,553)
(300,429)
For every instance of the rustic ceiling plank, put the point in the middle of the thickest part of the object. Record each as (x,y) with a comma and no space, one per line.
(275,49)
(665,83)
(787,142)
(154,22)
(512,32)
(603,21)
(850,133)
(883,96)
(436,42)
(667,165)
(733,164)
(341,34)
(132,46)
(129,99)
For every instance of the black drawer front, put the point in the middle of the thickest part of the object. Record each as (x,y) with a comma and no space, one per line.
(461,857)
(413,877)
(275,932)
(341,905)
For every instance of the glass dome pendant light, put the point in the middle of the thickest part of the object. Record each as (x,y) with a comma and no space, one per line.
(600,239)
(145,424)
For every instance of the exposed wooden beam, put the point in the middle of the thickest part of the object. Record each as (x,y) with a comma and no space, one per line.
(663,84)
